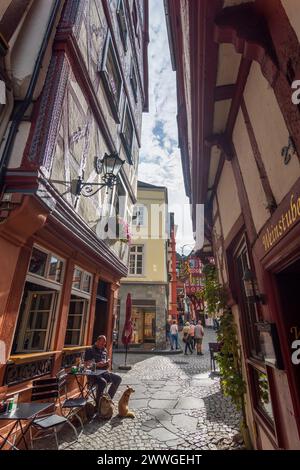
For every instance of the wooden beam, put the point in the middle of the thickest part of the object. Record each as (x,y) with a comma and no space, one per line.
(224,92)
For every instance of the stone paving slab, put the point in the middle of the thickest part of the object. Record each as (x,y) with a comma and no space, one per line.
(178,405)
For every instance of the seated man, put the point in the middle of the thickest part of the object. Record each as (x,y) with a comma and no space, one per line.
(98,353)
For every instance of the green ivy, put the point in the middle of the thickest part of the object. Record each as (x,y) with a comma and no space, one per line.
(213,293)
(230,362)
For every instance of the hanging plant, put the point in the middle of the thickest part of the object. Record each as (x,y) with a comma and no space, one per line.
(123,230)
(230,364)
(213,293)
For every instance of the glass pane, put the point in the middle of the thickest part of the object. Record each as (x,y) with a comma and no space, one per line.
(26,340)
(76,307)
(263,391)
(72,338)
(74,322)
(139,270)
(77,278)
(140,249)
(55,268)
(41,321)
(128,130)
(38,340)
(113,75)
(38,262)
(86,286)
(44,302)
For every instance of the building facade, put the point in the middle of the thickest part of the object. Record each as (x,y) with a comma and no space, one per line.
(189,287)
(147,280)
(172,273)
(239,135)
(74,76)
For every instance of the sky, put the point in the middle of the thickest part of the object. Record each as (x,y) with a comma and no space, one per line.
(160,162)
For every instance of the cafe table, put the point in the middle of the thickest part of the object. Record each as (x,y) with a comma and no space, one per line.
(23,412)
(87,388)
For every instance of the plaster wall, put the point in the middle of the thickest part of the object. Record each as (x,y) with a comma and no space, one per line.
(253,185)
(292,9)
(271,132)
(229,204)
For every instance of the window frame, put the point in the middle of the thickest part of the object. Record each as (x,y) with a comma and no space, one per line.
(124,36)
(134,81)
(85,315)
(114,103)
(135,216)
(49,329)
(128,148)
(49,254)
(250,328)
(85,297)
(135,274)
(80,289)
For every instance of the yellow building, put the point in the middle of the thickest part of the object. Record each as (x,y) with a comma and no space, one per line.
(147,280)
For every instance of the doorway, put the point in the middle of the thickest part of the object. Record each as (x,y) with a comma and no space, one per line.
(288,283)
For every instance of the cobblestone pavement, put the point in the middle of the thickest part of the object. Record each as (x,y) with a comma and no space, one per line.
(177,403)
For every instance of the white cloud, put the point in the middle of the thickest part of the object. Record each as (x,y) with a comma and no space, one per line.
(160,161)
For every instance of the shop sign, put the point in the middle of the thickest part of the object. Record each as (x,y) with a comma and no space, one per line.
(295,330)
(289,217)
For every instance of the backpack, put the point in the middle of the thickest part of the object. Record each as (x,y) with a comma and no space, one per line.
(105,407)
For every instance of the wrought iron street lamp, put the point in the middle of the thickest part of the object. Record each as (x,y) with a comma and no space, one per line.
(109,167)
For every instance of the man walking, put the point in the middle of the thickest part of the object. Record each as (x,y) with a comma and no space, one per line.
(174,335)
(98,354)
(198,334)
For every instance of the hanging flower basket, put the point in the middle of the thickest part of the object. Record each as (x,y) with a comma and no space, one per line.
(124,231)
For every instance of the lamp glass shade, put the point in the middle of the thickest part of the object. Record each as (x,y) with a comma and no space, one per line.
(112,164)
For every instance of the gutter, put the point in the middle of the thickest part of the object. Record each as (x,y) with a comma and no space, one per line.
(24,104)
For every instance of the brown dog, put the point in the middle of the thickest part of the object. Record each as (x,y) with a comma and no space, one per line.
(123,404)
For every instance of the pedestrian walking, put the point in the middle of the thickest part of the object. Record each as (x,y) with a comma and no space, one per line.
(187,338)
(174,335)
(199,333)
(192,334)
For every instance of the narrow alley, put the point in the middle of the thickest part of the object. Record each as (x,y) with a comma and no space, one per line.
(177,403)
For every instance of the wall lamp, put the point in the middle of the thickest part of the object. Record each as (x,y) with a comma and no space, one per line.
(251,288)
(109,166)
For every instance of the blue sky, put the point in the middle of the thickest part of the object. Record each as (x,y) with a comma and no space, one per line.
(160,161)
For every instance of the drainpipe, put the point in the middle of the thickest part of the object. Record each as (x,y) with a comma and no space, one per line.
(23,105)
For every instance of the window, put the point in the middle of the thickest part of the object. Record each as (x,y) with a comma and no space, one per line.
(46,265)
(136,260)
(76,320)
(250,312)
(135,17)
(133,81)
(121,15)
(78,308)
(127,133)
(39,302)
(81,280)
(36,317)
(262,394)
(111,76)
(138,217)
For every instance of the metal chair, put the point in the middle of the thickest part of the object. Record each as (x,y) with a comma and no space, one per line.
(73,405)
(214,348)
(50,423)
